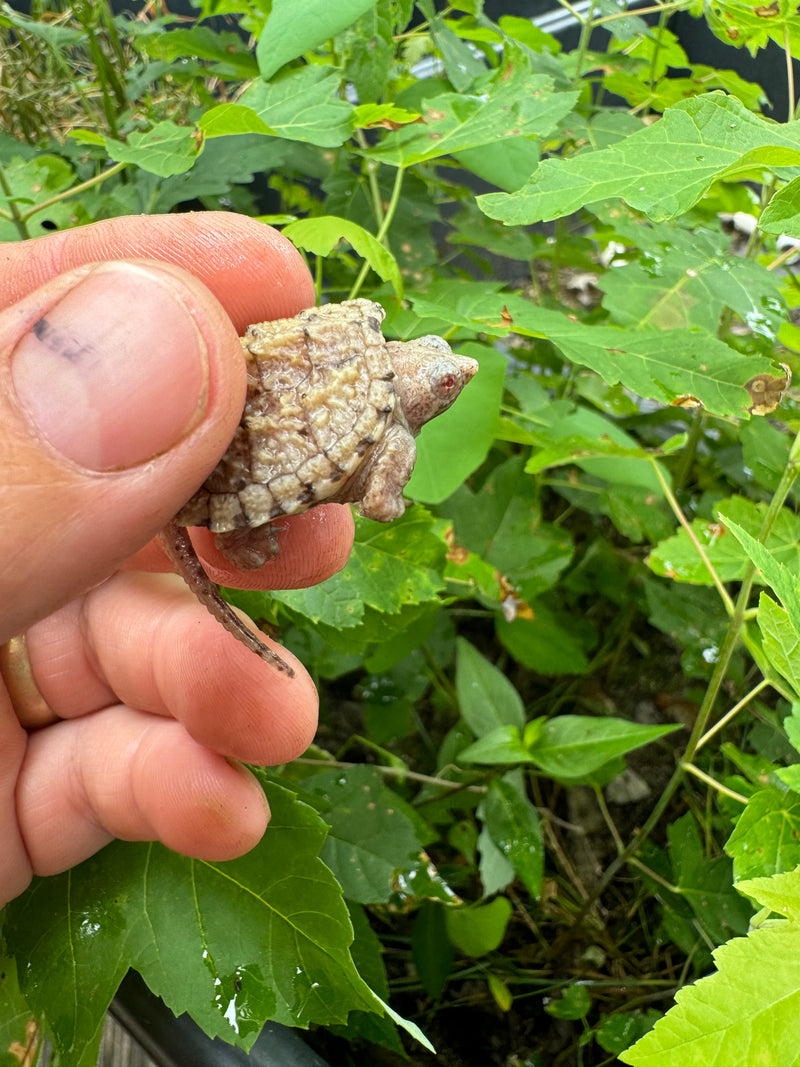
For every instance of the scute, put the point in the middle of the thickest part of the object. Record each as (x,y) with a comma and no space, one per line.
(319,398)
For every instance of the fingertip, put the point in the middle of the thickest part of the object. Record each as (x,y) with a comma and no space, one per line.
(312,547)
(200,804)
(173,658)
(265,717)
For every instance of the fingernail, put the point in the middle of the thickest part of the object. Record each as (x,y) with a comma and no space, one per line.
(116,371)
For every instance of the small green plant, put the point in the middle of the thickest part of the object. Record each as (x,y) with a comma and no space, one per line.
(558,767)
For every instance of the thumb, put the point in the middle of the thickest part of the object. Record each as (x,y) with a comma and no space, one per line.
(121,384)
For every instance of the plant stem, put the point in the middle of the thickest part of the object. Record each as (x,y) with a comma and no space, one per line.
(372,180)
(396,772)
(687,455)
(678,513)
(80,188)
(726,718)
(782,258)
(587,25)
(13,212)
(713,783)
(674,5)
(383,229)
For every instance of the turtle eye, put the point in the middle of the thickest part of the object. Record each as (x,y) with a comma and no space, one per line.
(447,382)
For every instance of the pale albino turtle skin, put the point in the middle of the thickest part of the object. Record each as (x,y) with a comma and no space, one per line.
(331,414)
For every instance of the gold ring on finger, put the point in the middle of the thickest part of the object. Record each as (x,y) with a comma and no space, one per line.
(32,709)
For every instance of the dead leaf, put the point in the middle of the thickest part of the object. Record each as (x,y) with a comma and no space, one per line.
(767,390)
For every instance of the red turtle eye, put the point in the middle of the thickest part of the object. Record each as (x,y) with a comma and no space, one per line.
(447,382)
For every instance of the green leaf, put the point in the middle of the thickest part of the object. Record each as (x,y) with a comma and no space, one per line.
(730,546)
(766,838)
(487,700)
(745,25)
(368,115)
(479,929)
(704,882)
(693,616)
(686,280)
(782,213)
(369,50)
(55,35)
(542,643)
(232,119)
(513,824)
(431,948)
(34,181)
(496,872)
(666,366)
(574,1003)
(501,745)
(227,50)
(662,170)
(300,106)
(646,75)
(765,451)
(289,33)
(508,165)
(224,163)
(320,235)
(506,103)
(772,558)
(233,944)
(593,443)
(616,1032)
(780,893)
(745,1013)
(373,839)
(503,524)
(501,994)
(573,746)
(166,149)
(391,567)
(461,65)
(19,1033)
(367,955)
(781,641)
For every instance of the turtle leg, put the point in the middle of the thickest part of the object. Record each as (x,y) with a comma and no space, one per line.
(249,547)
(389,471)
(179,548)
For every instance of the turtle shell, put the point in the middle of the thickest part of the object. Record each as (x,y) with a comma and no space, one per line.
(319,398)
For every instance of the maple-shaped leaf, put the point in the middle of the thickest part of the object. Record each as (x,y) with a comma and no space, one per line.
(391,567)
(747,1012)
(266,936)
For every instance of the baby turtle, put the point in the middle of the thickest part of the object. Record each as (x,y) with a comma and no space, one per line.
(331,415)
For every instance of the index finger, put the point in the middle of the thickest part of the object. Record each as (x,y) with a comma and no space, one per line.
(252,270)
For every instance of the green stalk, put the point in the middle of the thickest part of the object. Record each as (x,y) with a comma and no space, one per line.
(82,187)
(383,229)
(587,25)
(13,212)
(687,455)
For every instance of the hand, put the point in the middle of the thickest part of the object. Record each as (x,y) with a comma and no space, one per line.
(121,384)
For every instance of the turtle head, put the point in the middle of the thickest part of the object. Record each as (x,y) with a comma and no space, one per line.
(429,377)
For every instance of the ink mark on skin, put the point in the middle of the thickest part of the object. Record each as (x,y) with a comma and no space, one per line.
(57,341)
